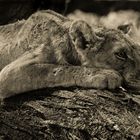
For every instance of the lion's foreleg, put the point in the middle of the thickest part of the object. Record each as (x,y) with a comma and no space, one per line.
(29,77)
(39,76)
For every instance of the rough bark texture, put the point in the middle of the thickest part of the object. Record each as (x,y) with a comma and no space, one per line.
(76,114)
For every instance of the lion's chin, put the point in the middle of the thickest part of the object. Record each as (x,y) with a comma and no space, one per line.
(133,84)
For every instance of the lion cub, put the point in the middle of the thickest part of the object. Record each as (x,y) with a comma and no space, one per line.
(49,50)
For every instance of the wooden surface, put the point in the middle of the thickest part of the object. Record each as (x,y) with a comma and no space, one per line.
(75,114)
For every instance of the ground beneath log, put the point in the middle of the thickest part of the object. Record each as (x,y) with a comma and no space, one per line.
(74,114)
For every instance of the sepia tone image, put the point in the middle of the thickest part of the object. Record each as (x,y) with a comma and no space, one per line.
(69,70)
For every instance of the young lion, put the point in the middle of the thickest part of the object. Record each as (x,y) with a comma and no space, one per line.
(49,50)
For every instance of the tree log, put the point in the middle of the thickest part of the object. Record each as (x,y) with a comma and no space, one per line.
(71,114)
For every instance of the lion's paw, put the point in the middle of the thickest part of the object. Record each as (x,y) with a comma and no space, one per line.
(106,79)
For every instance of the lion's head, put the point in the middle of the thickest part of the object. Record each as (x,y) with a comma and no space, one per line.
(121,53)
(109,49)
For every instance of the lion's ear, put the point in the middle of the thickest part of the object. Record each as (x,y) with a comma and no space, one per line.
(82,34)
(125,28)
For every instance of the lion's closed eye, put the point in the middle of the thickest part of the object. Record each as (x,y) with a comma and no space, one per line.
(121,55)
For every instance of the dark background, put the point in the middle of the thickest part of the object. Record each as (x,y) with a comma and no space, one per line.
(13,10)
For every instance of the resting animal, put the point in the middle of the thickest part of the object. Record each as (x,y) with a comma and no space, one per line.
(49,50)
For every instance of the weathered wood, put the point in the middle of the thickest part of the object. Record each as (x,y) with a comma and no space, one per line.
(71,114)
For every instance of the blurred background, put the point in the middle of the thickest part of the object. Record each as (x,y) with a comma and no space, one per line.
(12,10)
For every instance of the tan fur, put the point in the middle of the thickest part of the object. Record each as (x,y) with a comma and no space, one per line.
(49,50)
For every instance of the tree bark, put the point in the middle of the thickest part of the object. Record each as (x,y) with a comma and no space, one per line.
(77,114)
